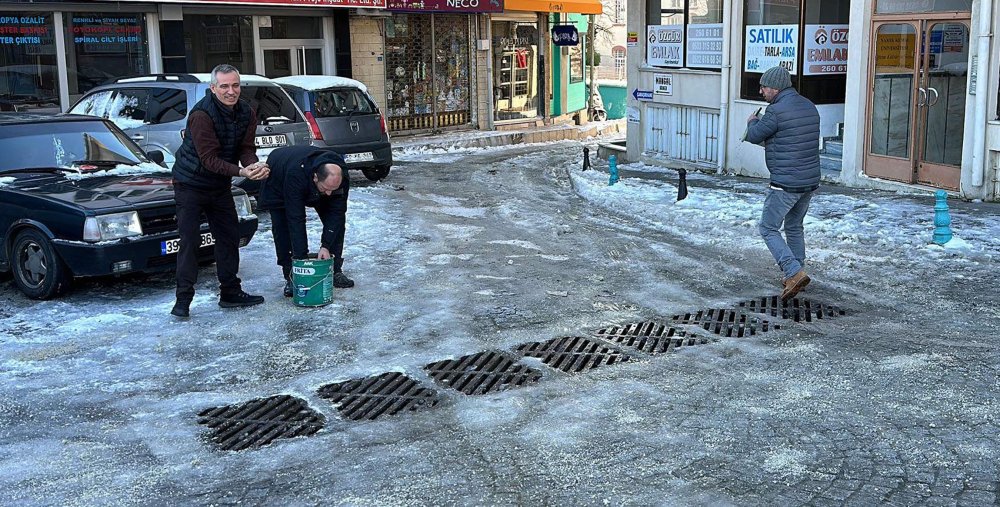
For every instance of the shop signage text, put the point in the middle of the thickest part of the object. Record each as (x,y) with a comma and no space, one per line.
(771,46)
(372,4)
(825,50)
(638,94)
(704,45)
(18,30)
(666,44)
(565,35)
(470,6)
(663,84)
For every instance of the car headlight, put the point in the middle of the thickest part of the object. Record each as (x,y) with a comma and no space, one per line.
(243,207)
(114,226)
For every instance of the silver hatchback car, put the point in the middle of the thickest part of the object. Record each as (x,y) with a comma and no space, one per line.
(153,111)
(344,118)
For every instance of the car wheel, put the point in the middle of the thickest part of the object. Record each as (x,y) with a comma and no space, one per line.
(376,173)
(38,270)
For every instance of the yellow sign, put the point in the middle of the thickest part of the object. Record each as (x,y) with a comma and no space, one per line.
(894,52)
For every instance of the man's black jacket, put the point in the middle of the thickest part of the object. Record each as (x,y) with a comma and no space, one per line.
(290,186)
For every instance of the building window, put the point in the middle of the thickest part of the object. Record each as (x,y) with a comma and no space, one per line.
(618,16)
(210,40)
(619,56)
(29,78)
(576,64)
(298,27)
(684,33)
(809,38)
(101,47)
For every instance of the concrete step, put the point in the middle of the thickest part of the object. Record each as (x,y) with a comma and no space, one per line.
(833,147)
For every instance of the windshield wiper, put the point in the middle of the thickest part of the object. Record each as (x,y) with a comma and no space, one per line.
(101,163)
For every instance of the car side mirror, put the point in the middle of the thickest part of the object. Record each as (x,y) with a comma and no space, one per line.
(155,156)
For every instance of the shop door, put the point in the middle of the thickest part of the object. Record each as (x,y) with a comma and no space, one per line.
(293,61)
(917,106)
(427,71)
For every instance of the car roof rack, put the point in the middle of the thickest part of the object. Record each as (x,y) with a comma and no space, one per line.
(171,77)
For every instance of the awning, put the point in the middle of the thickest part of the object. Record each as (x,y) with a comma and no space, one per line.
(560,6)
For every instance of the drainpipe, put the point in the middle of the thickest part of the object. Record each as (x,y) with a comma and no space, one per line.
(727,25)
(491,108)
(982,93)
(591,33)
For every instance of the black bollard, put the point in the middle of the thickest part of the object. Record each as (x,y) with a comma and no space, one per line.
(682,184)
(586,158)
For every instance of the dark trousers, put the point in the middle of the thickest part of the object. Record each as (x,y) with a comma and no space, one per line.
(333,214)
(219,208)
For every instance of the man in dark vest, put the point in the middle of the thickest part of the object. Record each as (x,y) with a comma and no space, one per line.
(307,176)
(218,139)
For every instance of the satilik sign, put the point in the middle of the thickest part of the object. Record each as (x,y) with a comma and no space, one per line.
(771,46)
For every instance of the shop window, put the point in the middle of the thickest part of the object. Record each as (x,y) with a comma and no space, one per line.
(808,37)
(292,27)
(516,71)
(101,47)
(576,64)
(684,33)
(29,78)
(620,59)
(211,40)
(906,6)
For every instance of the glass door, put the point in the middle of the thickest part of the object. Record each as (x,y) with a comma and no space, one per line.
(917,106)
(945,75)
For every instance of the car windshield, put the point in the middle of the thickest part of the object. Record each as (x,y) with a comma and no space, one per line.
(64,144)
(271,103)
(340,102)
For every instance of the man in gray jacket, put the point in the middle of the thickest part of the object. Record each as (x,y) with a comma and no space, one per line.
(789,132)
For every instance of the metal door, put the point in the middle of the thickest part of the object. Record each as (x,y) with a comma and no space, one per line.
(427,71)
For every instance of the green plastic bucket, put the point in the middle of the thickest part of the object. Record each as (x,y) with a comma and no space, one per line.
(312,282)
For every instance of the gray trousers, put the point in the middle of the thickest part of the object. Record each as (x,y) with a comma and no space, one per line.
(790,209)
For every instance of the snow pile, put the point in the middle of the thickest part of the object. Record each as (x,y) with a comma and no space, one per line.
(113,105)
(730,215)
(119,170)
(6,180)
(314,83)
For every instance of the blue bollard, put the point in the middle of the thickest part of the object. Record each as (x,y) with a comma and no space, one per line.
(613,169)
(942,219)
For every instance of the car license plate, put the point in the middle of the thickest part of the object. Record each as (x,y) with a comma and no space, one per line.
(359,157)
(271,141)
(172,246)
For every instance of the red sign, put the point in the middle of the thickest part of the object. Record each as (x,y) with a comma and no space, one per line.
(467,6)
(372,4)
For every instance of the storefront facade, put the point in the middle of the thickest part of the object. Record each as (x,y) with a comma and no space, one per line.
(51,56)
(534,80)
(429,65)
(894,80)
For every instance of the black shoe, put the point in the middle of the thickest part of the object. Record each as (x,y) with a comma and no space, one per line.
(288,288)
(181,309)
(239,299)
(341,281)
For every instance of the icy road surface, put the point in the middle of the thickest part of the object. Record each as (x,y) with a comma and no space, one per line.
(463,251)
